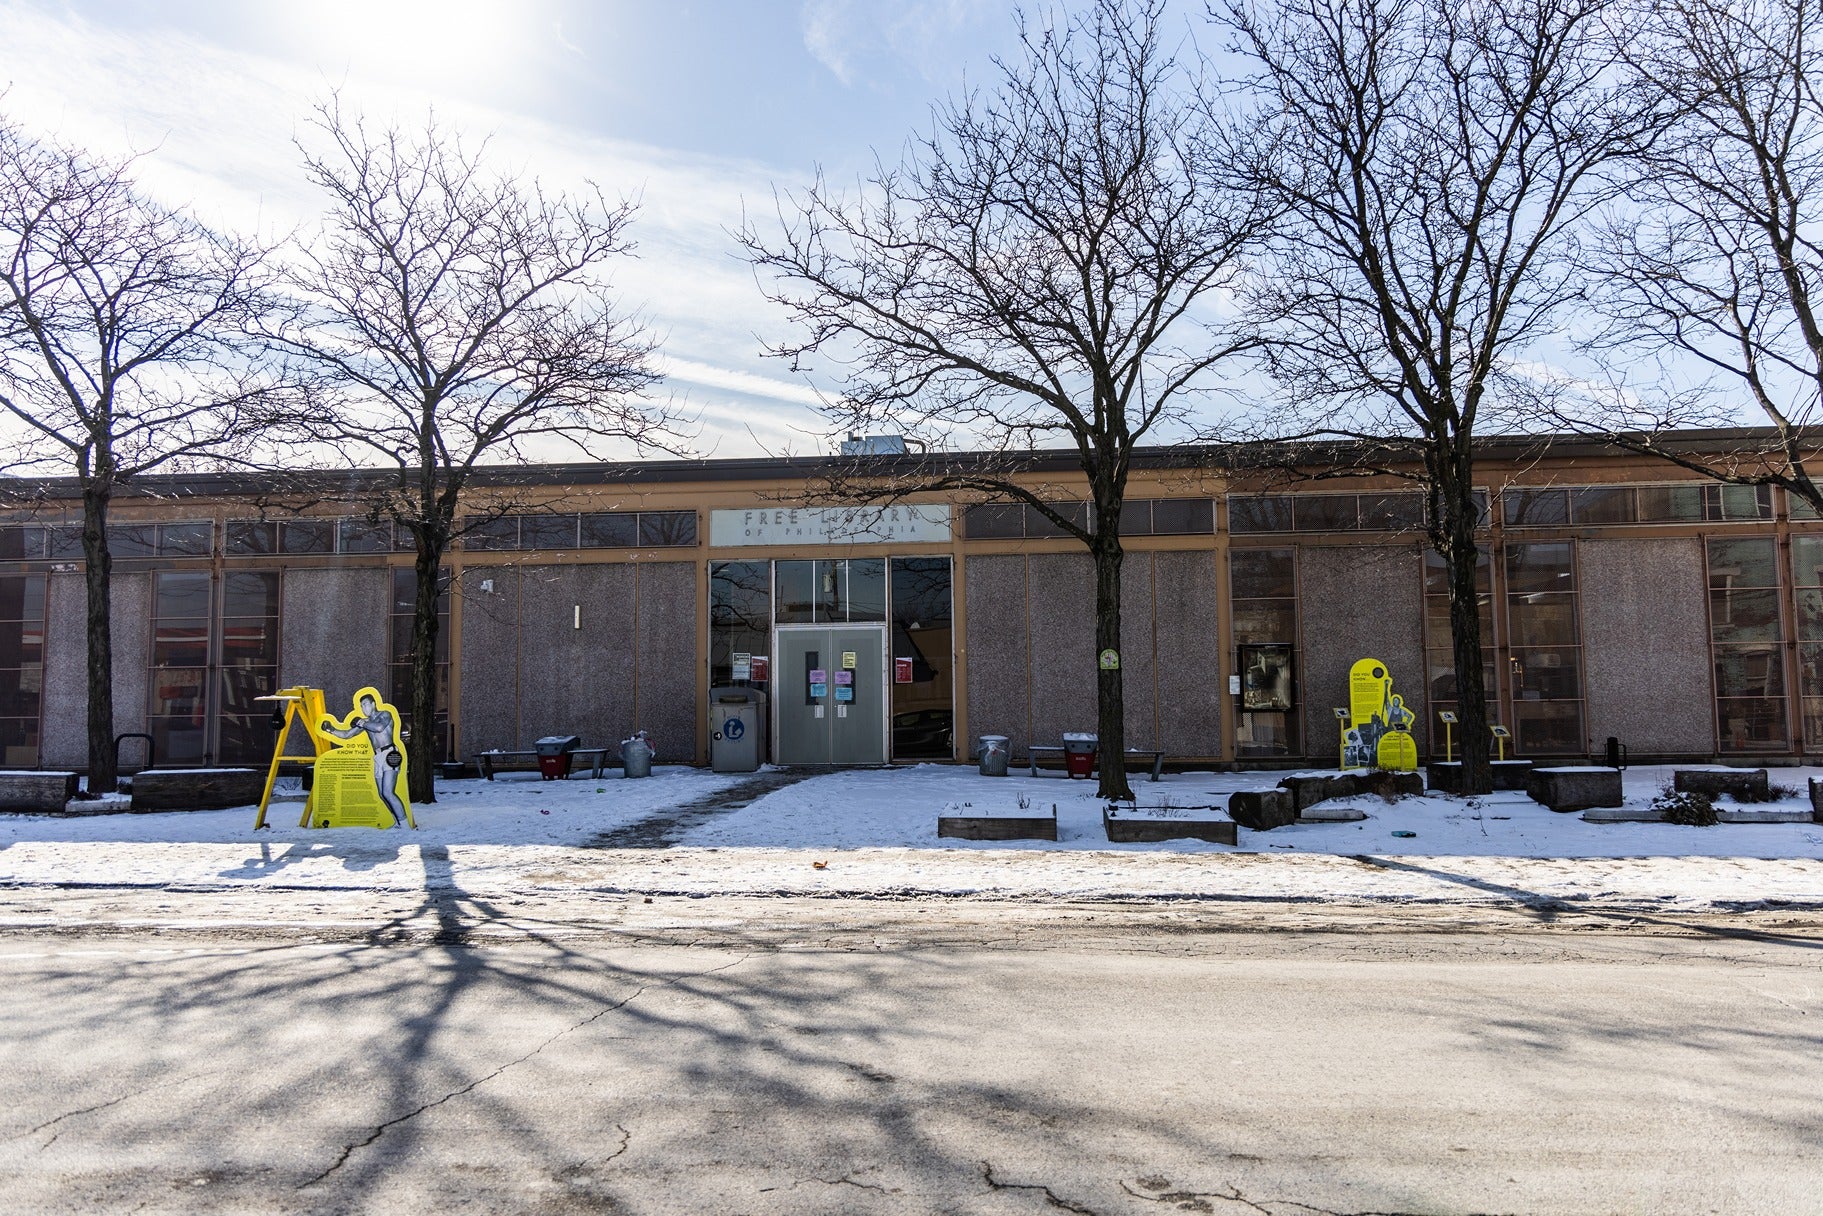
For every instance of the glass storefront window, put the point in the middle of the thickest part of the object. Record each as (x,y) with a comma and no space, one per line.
(1439,654)
(1545,656)
(1263,588)
(740,617)
(923,707)
(1747,640)
(21,668)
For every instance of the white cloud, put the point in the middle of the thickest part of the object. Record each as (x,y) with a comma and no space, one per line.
(845,35)
(215,127)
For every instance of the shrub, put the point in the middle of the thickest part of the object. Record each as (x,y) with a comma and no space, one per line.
(1690,810)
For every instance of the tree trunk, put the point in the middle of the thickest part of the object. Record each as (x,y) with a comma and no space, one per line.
(1460,553)
(98,571)
(422,777)
(1110,702)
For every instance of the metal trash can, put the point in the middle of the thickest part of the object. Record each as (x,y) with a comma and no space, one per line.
(737,729)
(636,755)
(1079,753)
(554,755)
(993,753)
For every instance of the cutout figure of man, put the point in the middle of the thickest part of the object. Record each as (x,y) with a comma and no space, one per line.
(382,730)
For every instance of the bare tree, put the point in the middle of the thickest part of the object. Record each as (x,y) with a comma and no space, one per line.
(1712,257)
(120,322)
(1435,161)
(1045,265)
(453,316)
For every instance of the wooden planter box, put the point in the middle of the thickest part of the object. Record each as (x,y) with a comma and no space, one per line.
(1137,827)
(999,827)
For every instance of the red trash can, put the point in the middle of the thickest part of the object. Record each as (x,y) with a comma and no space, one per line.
(554,755)
(1079,752)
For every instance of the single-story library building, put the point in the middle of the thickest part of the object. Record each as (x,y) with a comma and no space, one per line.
(1621,597)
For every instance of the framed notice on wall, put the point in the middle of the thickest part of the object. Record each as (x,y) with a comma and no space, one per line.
(1266,677)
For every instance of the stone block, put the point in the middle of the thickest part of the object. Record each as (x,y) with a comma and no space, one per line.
(1389,784)
(1575,788)
(1741,784)
(1308,791)
(1263,810)
(1510,774)
(36,793)
(1445,776)
(196,789)
(1332,814)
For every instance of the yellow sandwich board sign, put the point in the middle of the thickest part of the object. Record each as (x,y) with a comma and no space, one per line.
(1378,734)
(359,767)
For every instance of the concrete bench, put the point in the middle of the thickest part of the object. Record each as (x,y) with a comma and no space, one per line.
(36,793)
(1445,776)
(1741,784)
(1132,753)
(592,759)
(196,789)
(1575,787)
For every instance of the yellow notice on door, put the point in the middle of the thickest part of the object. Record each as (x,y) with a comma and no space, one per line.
(848,659)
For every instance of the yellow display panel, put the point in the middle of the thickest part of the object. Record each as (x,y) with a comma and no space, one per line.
(1378,733)
(361,780)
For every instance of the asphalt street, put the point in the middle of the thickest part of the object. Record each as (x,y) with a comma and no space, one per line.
(845,1056)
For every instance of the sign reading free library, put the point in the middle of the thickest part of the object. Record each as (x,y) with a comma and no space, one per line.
(923,524)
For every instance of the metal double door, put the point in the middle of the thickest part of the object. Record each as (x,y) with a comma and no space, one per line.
(830,694)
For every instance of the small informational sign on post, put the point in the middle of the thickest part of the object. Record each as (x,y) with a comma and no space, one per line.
(902,671)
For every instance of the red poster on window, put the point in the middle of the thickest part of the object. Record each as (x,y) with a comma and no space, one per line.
(760,667)
(902,671)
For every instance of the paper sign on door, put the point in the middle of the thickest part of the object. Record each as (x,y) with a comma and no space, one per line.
(845,692)
(844,677)
(848,659)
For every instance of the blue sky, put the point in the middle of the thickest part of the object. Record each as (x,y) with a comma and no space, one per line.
(693,105)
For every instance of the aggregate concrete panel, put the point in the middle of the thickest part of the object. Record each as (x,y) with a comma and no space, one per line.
(1645,629)
(1138,662)
(63,727)
(1359,602)
(994,631)
(575,664)
(131,596)
(1061,612)
(333,632)
(1192,704)
(667,659)
(490,660)
(64,724)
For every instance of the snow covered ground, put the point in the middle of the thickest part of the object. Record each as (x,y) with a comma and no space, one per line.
(875,833)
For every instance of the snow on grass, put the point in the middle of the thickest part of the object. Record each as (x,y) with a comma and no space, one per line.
(875,830)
